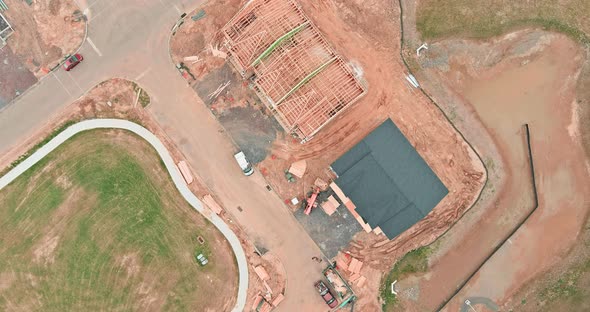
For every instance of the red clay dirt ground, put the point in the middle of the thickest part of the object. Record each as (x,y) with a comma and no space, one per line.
(518,78)
(539,89)
(367,34)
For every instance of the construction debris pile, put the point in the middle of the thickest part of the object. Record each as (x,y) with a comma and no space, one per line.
(265,302)
(295,72)
(346,263)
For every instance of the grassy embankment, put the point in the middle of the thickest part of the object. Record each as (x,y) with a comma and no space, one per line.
(415,261)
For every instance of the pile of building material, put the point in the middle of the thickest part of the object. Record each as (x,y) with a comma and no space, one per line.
(212,204)
(353,266)
(321,184)
(263,303)
(185,171)
(337,282)
(298,168)
(351,207)
(330,205)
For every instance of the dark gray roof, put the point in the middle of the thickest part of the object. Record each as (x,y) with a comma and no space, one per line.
(390,184)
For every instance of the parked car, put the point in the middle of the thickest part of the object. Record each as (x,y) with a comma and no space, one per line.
(244,163)
(326,294)
(72,61)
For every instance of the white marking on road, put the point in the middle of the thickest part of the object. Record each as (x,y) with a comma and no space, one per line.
(54,75)
(143,74)
(93,46)
(104,9)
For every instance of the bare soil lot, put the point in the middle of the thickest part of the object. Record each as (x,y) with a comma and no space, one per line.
(95,227)
(15,78)
(518,78)
(44,33)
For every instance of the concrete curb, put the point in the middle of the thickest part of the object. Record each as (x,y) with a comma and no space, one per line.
(174,174)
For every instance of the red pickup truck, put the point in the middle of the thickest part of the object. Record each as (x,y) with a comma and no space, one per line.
(326,294)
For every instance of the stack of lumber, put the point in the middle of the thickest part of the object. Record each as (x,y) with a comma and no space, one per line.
(330,205)
(339,192)
(212,204)
(186,172)
(354,267)
(278,299)
(261,272)
(298,168)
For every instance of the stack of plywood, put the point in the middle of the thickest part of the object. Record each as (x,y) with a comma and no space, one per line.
(355,269)
(298,168)
(355,266)
(339,192)
(186,172)
(351,207)
(261,272)
(212,204)
(278,299)
(330,206)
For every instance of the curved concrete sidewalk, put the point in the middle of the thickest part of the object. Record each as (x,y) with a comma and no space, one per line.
(170,166)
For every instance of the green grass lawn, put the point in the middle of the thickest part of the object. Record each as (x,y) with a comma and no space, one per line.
(99,226)
(485,18)
(415,261)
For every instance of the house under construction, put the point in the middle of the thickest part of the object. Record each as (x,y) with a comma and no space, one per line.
(291,66)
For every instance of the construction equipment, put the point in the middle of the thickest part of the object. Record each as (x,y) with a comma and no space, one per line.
(311,201)
(289,176)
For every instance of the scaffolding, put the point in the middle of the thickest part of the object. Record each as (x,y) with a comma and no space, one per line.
(293,69)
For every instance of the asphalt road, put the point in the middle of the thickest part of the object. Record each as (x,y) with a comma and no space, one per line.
(129,39)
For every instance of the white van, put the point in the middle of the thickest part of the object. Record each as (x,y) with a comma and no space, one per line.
(244,164)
